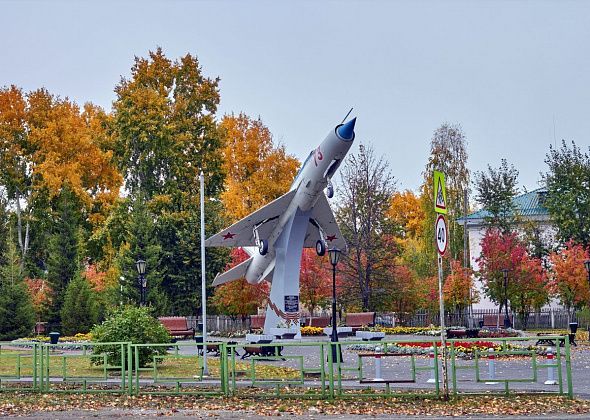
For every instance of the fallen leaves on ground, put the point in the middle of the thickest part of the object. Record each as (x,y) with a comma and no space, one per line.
(12,403)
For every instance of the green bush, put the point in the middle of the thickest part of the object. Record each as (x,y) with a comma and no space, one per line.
(130,324)
(17,316)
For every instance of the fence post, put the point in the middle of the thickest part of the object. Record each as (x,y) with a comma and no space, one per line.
(550,369)
(378,364)
(432,378)
(568,369)
(491,367)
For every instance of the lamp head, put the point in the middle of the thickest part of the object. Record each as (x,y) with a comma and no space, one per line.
(140,267)
(334,256)
(505,272)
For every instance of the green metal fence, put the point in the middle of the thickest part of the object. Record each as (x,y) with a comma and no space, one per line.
(287,369)
(19,366)
(87,367)
(179,371)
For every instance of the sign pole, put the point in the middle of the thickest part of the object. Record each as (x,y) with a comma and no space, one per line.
(443,331)
(441,239)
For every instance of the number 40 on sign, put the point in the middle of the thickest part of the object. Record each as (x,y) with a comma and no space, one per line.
(440,229)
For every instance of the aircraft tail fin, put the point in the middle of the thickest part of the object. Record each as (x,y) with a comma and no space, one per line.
(236,273)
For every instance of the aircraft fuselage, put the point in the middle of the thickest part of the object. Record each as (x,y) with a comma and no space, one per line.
(311,180)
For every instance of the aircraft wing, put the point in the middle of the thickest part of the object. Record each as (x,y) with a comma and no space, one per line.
(323,217)
(242,233)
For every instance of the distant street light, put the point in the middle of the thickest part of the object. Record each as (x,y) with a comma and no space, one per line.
(140,264)
(334,258)
(507,323)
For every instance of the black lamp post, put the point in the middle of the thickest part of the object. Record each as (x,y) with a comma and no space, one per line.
(507,323)
(142,281)
(334,257)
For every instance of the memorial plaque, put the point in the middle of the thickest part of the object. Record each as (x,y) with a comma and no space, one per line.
(291,303)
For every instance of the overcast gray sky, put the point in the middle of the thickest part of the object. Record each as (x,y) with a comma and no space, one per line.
(507,71)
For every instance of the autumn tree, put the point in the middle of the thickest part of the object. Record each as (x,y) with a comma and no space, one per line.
(569,279)
(16,153)
(165,134)
(448,154)
(403,293)
(239,298)
(459,289)
(495,191)
(41,297)
(315,280)
(366,189)
(164,122)
(258,171)
(568,192)
(407,215)
(526,287)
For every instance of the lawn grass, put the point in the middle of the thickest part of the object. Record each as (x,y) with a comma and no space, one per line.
(170,366)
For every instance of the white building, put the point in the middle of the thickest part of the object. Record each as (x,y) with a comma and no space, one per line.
(529,208)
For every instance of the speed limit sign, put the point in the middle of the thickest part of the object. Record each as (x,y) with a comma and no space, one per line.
(440,231)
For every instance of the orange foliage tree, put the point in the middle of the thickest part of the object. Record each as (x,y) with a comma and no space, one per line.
(316,280)
(568,277)
(99,281)
(257,170)
(239,298)
(41,296)
(459,289)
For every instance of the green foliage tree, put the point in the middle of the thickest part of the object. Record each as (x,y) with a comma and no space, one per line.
(568,192)
(79,311)
(17,316)
(495,190)
(365,193)
(63,260)
(142,244)
(130,324)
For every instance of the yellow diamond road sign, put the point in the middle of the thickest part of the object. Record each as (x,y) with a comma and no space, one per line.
(440,194)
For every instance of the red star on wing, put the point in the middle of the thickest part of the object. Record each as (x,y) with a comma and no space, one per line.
(331,237)
(228,235)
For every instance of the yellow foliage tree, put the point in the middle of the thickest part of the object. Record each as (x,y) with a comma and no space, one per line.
(257,170)
(68,152)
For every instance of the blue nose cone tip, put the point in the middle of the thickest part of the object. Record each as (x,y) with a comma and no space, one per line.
(346,131)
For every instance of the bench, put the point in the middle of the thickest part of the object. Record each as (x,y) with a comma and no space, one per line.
(554,341)
(319,321)
(257,322)
(370,335)
(360,320)
(263,351)
(492,321)
(177,326)
(340,331)
(283,333)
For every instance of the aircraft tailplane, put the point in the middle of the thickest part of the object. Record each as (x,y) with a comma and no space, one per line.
(236,273)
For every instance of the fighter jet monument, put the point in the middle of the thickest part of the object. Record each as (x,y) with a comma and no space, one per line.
(275,234)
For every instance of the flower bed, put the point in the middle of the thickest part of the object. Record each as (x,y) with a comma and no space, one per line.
(310,331)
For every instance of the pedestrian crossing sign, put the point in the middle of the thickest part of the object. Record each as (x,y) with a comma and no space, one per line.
(440,194)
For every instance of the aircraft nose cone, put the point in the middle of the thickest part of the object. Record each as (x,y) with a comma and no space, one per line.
(346,131)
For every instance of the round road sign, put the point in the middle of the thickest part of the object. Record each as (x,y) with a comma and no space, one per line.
(440,231)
